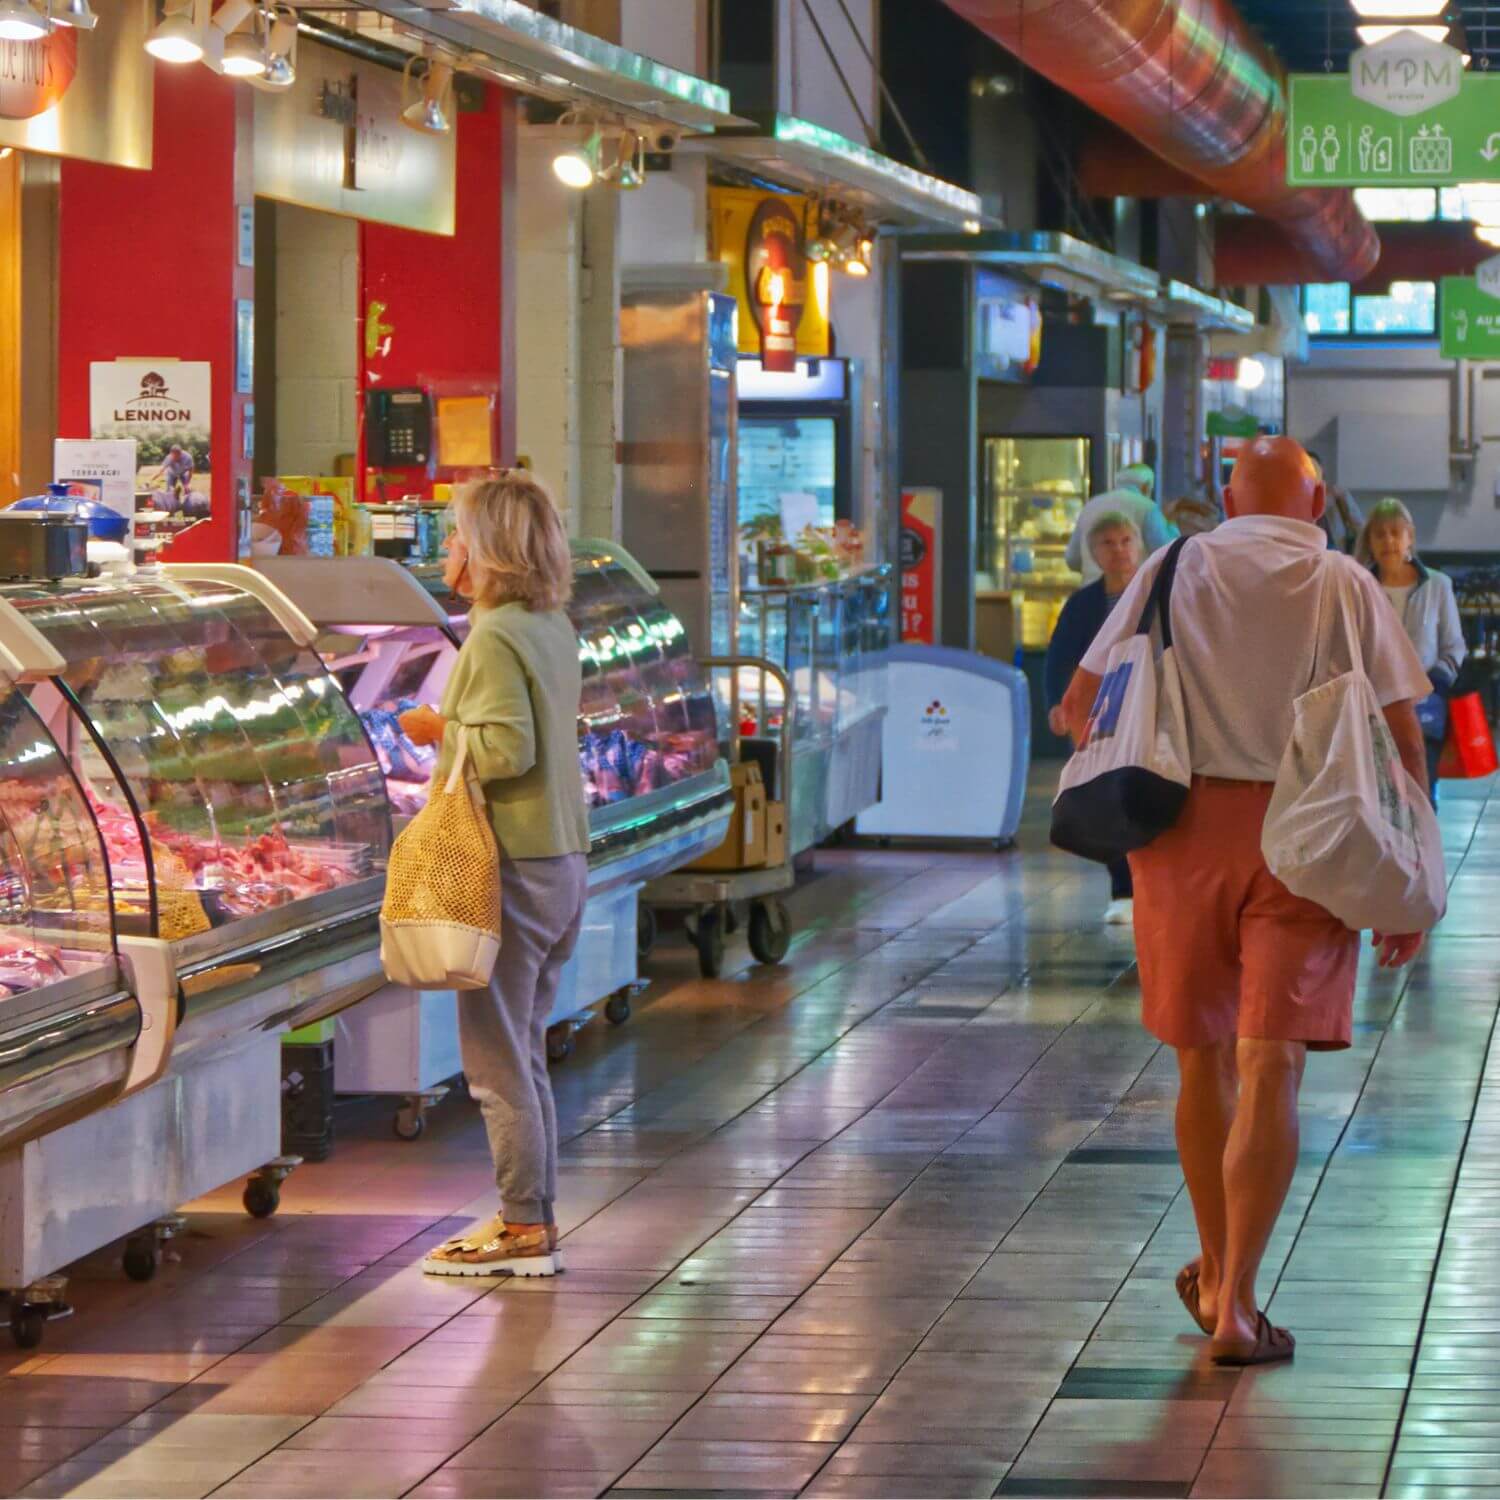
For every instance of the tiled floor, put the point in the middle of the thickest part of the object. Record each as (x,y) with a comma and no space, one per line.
(900,1218)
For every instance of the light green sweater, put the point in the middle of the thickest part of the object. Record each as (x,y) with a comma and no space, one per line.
(516,685)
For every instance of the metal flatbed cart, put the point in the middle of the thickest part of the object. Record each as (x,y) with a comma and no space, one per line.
(710,896)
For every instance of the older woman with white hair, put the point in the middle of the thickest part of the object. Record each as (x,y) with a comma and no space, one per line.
(515,688)
(1115,546)
(1424,599)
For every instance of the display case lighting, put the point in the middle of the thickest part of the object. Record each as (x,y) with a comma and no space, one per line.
(20,21)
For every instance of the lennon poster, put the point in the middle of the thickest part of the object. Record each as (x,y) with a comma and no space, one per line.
(163,404)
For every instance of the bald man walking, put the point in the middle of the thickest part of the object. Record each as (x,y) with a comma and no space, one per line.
(1239,976)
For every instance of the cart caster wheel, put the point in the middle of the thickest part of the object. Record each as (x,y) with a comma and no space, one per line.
(141,1259)
(27,1324)
(617,1008)
(408,1124)
(645,931)
(770,931)
(262,1198)
(559,1043)
(708,935)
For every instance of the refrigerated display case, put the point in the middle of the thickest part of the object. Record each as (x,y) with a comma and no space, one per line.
(207,771)
(831,639)
(657,790)
(1033,491)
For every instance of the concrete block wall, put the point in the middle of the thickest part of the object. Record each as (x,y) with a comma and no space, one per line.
(317,332)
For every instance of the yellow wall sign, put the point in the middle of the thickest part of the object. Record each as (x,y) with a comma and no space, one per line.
(783,297)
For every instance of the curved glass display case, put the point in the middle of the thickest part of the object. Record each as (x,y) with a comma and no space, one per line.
(225,771)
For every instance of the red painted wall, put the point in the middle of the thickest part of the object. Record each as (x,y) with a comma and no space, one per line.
(443,294)
(147,268)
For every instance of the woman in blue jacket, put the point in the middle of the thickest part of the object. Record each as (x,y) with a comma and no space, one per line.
(1115,545)
(1423,598)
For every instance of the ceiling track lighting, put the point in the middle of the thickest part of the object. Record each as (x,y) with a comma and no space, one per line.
(841,239)
(76,14)
(21,21)
(178,37)
(237,40)
(431,112)
(581,165)
(279,53)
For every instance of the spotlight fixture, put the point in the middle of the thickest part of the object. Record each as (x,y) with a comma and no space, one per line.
(1370,35)
(75,13)
(629,170)
(578,166)
(427,112)
(242,53)
(1251,374)
(20,21)
(176,38)
(1397,10)
(279,55)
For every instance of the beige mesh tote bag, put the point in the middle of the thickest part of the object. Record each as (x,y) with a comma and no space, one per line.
(440,923)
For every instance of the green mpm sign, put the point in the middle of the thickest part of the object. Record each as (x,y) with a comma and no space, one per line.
(1407,114)
(1470,313)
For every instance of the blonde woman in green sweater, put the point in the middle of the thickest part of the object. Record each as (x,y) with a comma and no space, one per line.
(516,687)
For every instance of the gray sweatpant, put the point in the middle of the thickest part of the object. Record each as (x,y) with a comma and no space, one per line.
(502,1029)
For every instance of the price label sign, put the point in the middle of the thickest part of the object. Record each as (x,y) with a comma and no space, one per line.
(1407,114)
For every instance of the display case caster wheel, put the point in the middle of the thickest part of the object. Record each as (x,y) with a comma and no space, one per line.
(142,1257)
(27,1325)
(617,1008)
(411,1119)
(770,931)
(263,1191)
(32,1309)
(560,1042)
(645,932)
(708,936)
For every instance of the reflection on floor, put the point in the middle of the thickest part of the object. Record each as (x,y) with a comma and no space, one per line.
(899,1218)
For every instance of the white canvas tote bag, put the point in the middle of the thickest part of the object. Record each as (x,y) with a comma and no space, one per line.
(1348,827)
(440,921)
(1128,778)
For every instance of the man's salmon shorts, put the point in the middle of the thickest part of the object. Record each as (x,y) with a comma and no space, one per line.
(1224,949)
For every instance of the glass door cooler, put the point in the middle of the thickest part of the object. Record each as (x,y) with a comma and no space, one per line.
(648,755)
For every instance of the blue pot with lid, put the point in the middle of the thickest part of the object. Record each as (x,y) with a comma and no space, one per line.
(105,525)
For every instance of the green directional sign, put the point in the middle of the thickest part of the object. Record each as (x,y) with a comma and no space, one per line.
(1471,315)
(1407,114)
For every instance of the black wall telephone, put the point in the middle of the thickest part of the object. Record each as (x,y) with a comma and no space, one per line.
(398,427)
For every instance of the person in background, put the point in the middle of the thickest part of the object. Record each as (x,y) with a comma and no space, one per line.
(516,686)
(177,474)
(1238,975)
(1114,543)
(1342,519)
(1425,601)
(1131,497)
(1193,515)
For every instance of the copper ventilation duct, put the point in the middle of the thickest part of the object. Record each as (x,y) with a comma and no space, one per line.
(1189,80)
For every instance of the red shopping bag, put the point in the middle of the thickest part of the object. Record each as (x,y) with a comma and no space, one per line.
(1469,750)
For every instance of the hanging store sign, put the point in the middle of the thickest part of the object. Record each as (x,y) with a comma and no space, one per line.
(1469,314)
(782,296)
(1407,114)
(334,141)
(163,404)
(920,558)
(82,94)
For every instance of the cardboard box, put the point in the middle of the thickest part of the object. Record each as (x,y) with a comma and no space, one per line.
(775,833)
(744,846)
